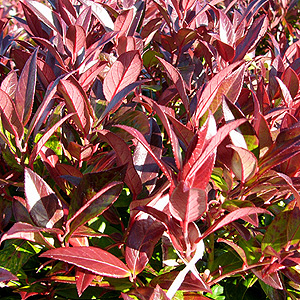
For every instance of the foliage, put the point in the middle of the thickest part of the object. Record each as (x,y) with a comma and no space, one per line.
(150,149)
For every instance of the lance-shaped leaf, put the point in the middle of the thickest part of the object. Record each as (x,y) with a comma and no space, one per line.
(235,215)
(42,204)
(9,116)
(173,138)
(135,133)
(123,72)
(91,184)
(244,163)
(9,84)
(195,149)
(40,144)
(26,88)
(253,36)
(211,91)
(187,204)
(212,146)
(92,259)
(143,236)
(284,229)
(75,40)
(30,233)
(75,102)
(95,206)
(145,165)
(124,157)
(83,279)
(6,276)
(177,79)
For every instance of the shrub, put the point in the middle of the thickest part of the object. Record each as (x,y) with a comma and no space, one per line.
(150,149)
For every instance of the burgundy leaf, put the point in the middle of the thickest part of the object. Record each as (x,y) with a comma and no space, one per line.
(286,96)
(26,88)
(244,163)
(84,18)
(212,146)
(124,157)
(9,84)
(291,80)
(271,279)
(6,276)
(253,36)
(123,72)
(211,91)
(187,204)
(143,236)
(83,279)
(144,164)
(10,118)
(41,202)
(235,215)
(177,79)
(226,30)
(42,141)
(135,133)
(75,40)
(91,259)
(30,233)
(76,103)
(95,206)
(173,138)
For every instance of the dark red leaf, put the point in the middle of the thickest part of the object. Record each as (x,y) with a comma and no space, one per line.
(10,118)
(75,40)
(41,202)
(42,141)
(6,276)
(143,236)
(135,133)
(177,79)
(122,73)
(123,22)
(83,279)
(124,157)
(187,204)
(76,103)
(92,259)
(9,84)
(235,215)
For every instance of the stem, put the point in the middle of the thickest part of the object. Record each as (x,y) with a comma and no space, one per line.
(211,254)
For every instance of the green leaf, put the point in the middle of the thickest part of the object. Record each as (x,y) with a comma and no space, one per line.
(284,230)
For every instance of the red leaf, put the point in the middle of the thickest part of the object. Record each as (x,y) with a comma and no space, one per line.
(9,116)
(41,202)
(187,204)
(143,236)
(244,163)
(124,157)
(143,162)
(30,233)
(253,36)
(272,279)
(75,40)
(26,88)
(235,215)
(177,79)
(135,133)
(226,30)
(40,144)
(83,279)
(123,22)
(173,138)
(123,72)
(212,146)
(286,96)
(92,259)
(6,276)
(76,103)
(9,84)
(211,91)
